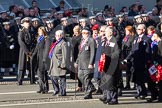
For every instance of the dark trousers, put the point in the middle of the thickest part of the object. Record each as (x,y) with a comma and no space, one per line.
(43,81)
(128,73)
(110,95)
(59,88)
(153,87)
(34,68)
(79,83)
(141,89)
(85,76)
(31,72)
(21,74)
(140,77)
(160,91)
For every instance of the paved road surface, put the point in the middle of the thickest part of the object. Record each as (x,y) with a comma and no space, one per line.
(25,96)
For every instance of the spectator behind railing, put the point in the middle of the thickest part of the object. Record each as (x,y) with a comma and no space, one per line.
(133,10)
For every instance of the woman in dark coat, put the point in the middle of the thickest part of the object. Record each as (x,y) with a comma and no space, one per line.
(126,48)
(41,50)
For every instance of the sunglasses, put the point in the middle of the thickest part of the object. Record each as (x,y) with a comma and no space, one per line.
(102,31)
(84,32)
(27,21)
(139,29)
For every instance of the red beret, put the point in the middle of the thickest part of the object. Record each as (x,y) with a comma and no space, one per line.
(95,27)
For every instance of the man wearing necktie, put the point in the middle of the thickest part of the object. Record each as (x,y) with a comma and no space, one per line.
(140,53)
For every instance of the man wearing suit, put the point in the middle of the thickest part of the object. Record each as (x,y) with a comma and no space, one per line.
(85,62)
(110,74)
(140,53)
(57,71)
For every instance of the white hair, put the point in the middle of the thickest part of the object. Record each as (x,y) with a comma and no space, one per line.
(59,32)
(143,26)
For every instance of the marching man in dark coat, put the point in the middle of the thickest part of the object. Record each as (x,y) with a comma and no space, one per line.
(110,71)
(140,53)
(85,62)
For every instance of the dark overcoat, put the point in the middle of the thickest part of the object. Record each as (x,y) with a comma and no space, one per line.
(25,40)
(110,75)
(59,60)
(140,53)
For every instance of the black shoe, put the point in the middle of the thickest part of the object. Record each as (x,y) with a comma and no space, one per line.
(32,83)
(55,93)
(40,91)
(44,92)
(88,97)
(127,87)
(140,97)
(62,95)
(113,102)
(106,101)
(159,100)
(102,99)
(151,99)
(19,83)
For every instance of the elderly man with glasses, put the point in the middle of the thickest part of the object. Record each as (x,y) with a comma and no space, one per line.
(140,54)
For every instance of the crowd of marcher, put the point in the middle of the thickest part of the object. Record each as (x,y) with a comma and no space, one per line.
(99,47)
